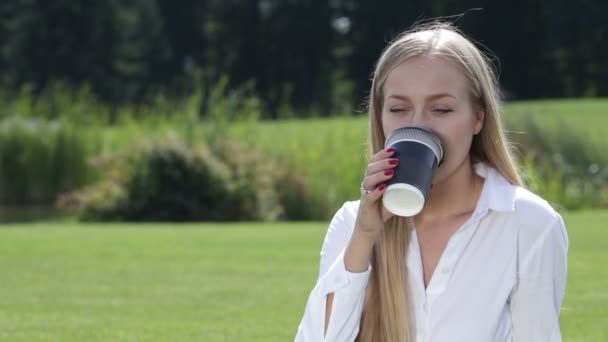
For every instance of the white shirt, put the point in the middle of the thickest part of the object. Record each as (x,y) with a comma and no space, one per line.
(501,277)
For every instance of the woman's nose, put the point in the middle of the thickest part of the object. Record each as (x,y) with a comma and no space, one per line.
(420,119)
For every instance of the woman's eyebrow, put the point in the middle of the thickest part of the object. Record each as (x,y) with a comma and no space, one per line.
(429,97)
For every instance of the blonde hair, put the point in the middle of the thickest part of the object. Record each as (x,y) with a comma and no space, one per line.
(386,313)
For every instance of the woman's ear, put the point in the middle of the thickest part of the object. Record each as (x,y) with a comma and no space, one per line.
(479,121)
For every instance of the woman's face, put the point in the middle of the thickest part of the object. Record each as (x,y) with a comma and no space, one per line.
(433,93)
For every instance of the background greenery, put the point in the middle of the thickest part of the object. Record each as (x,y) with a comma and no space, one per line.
(314,55)
(220,282)
(292,169)
(104,107)
(248,110)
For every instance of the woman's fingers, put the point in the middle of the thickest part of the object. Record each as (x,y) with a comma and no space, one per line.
(380,169)
(373,181)
(381,166)
(382,154)
(375,194)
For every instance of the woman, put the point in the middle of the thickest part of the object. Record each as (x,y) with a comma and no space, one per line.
(485,260)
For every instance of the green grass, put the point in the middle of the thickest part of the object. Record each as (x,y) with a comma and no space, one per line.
(155,283)
(588,115)
(585,310)
(247,282)
(583,115)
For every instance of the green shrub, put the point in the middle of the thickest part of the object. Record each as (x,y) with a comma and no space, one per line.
(40,159)
(321,161)
(327,155)
(167,181)
(295,195)
(562,186)
(562,165)
(251,180)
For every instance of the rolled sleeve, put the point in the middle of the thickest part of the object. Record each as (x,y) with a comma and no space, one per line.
(349,295)
(537,298)
(348,288)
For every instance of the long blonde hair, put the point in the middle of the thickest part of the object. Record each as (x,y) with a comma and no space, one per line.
(387,315)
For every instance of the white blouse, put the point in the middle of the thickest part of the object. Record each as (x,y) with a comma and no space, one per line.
(501,277)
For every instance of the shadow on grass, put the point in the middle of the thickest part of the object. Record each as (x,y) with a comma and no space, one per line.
(33,214)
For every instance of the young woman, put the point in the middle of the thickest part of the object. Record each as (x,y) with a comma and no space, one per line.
(485,260)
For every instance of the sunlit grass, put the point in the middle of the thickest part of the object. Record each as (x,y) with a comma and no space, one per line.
(207,282)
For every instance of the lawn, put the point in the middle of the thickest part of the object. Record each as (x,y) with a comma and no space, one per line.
(245,282)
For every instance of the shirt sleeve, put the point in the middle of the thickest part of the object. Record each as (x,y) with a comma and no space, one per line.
(537,298)
(348,288)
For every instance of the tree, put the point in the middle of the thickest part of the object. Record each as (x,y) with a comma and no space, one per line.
(116,48)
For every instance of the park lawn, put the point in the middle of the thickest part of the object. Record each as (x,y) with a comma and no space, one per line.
(211,282)
(584,115)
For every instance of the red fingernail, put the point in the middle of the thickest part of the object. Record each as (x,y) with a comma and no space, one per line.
(393,161)
(382,187)
(390,150)
(389,172)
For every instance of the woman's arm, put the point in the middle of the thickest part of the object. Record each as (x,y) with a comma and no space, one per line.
(356,260)
(335,305)
(340,291)
(537,299)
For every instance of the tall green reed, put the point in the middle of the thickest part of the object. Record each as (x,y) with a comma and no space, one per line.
(41,158)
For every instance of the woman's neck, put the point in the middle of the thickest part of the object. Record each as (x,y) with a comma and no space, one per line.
(456,195)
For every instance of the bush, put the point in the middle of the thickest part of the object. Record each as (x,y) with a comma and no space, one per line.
(561,165)
(324,158)
(166,181)
(295,195)
(283,193)
(252,180)
(40,159)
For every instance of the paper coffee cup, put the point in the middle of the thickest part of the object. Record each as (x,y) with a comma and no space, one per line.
(419,152)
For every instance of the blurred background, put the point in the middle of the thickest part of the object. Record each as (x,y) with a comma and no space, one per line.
(119,119)
(204,110)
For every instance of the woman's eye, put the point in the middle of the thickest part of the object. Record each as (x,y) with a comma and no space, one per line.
(397,110)
(443,110)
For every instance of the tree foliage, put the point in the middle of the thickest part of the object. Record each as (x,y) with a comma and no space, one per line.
(311,55)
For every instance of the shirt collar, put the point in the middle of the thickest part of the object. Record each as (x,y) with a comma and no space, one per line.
(497,193)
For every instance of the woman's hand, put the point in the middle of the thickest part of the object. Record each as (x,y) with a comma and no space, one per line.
(372,215)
